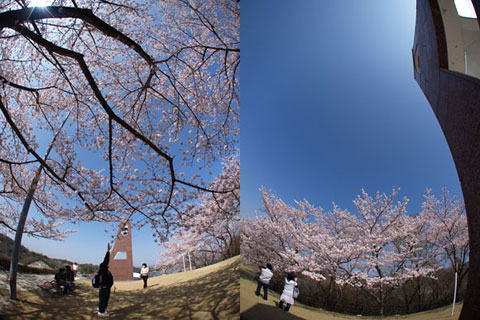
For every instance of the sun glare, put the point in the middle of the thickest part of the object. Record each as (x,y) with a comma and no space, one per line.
(40,3)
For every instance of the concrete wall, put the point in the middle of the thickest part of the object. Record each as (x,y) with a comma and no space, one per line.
(463,40)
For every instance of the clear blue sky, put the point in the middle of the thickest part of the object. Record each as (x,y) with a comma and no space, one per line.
(89,244)
(329,104)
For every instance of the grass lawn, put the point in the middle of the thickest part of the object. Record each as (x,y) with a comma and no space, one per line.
(206,293)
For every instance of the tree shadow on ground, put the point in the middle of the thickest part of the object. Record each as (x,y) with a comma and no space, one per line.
(214,296)
(262,311)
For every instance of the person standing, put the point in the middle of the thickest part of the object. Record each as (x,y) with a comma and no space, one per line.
(266,275)
(106,282)
(69,274)
(144,274)
(75,269)
(287,294)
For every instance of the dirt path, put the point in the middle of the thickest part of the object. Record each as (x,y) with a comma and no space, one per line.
(255,308)
(207,293)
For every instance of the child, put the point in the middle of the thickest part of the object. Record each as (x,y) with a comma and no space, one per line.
(264,279)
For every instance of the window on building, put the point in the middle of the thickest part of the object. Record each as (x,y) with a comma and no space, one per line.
(125,231)
(465,9)
(462,36)
(121,255)
(416,59)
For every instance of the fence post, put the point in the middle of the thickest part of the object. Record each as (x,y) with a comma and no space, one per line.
(454,294)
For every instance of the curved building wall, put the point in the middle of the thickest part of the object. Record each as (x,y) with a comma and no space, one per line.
(455,100)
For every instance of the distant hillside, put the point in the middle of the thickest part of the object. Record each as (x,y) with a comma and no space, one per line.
(27,257)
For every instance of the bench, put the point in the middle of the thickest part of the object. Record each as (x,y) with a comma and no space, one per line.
(48,288)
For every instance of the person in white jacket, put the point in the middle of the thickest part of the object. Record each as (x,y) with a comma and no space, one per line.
(287,293)
(266,275)
(144,274)
(75,269)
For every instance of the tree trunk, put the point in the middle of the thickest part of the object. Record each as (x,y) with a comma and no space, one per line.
(331,288)
(23,218)
(382,301)
(19,233)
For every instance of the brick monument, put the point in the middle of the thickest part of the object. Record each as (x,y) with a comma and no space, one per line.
(121,260)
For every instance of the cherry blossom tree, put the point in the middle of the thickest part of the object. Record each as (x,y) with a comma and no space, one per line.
(212,232)
(15,188)
(152,89)
(377,249)
(285,236)
(446,232)
(388,240)
(131,108)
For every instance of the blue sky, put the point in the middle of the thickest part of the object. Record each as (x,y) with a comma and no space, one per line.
(329,105)
(89,244)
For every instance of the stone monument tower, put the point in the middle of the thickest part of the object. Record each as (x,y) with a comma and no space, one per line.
(121,260)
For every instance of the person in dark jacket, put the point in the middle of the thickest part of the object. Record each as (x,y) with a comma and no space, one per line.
(70,277)
(61,280)
(106,283)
